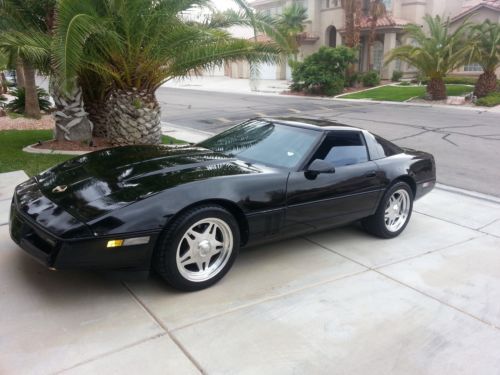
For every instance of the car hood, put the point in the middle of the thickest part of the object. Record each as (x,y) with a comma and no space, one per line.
(93,184)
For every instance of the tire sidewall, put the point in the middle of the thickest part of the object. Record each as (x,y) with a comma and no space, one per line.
(175,234)
(381,210)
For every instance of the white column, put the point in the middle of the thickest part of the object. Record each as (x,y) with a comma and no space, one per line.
(389,44)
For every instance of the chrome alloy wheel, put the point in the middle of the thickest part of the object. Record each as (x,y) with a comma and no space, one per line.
(204,249)
(397,210)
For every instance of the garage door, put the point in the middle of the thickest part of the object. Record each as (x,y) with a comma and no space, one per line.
(267,71)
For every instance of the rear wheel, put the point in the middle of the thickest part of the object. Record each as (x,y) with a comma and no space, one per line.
(393,213)
(198,248)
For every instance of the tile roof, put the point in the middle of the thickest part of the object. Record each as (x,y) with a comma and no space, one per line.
(384,22)
(475,5)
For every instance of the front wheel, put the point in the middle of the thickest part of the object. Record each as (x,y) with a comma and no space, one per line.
(198,248)
(393,213)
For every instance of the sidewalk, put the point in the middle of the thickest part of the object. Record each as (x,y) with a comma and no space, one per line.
(229,85)
(340,301)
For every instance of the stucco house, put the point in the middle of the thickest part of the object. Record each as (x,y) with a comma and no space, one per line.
(325,26)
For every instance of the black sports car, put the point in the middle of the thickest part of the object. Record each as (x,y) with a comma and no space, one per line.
(186,211)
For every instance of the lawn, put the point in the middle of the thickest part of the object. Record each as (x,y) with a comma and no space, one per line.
(403,93)
(13,158)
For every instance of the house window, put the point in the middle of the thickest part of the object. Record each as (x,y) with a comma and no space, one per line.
(378,55)
(473,68)
(332,36)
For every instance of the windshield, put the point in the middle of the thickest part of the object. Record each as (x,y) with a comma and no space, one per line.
(264,142)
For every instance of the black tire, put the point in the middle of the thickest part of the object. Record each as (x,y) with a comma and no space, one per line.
(376,224)
(165,256)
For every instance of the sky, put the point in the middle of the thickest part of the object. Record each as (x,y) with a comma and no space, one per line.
(224,4)
(240,32)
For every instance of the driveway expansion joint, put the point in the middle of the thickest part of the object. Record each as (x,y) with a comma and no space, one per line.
(164,327)
(105,354)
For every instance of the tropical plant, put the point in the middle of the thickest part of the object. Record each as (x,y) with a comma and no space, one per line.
(436,54)
(136,46)
(323,72)
(490,100)
(376,11)
(17,105)
(370,79)
(27,30)
(485,50)
(290,23)
(352,14)
(23,39)
(3,66)
(396,75)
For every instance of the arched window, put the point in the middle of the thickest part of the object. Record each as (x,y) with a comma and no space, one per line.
(332,36)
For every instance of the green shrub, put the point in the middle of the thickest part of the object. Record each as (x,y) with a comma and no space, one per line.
(404,83)
(455,80)
(396,76)
(371,79)
(351,79)
(322,72)
(490,100)
(18,103)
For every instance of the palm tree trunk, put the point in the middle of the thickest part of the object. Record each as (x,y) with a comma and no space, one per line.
(72,122)
(31,105)
(134,118)
(19,74)
(486,84)
(98,114)
(3,84)
(436,89)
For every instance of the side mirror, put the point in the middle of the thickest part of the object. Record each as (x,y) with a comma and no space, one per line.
(320,166)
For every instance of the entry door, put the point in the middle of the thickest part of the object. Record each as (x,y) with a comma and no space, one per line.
(329,199)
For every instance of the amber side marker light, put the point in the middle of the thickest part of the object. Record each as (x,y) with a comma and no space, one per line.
(128,242)
(115,243)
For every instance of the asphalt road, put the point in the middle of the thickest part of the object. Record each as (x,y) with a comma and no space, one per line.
(466,144)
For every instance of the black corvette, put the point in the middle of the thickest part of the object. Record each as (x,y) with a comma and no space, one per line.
(186,211)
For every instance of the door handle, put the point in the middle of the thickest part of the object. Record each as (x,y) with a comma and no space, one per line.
(371,174)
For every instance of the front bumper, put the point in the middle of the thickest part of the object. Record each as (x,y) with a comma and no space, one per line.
(59,252)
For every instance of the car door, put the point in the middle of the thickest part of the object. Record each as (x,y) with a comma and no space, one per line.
(316,201)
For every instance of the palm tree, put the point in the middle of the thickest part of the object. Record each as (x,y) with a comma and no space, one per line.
(27,27)
(291,24)
(137,45)
(436,54)
(4,63)
(485,50)
(352,14)
(377,10)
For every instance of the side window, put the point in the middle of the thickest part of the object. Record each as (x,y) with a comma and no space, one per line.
(343,148)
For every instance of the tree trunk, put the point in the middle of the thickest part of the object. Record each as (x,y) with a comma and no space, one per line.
(486,83)
(19,74)
(436,89)
(72,122)
(98,114)
(3,84)
(134,118)
(31,105)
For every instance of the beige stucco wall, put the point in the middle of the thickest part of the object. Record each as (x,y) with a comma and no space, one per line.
(320,19)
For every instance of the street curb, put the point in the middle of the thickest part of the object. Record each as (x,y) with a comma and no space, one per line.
(33,150)
(441,106)
(183,133)
(468,193)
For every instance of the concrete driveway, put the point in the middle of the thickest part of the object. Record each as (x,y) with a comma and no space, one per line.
(335,302)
